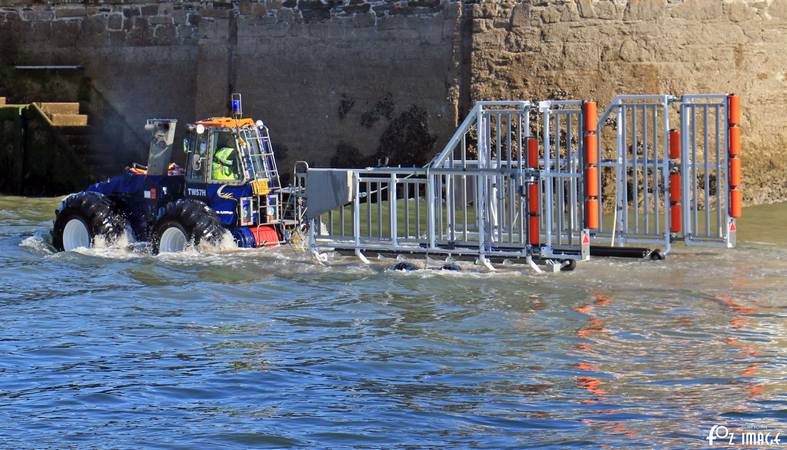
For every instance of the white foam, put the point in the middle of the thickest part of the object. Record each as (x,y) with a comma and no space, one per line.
(38,243)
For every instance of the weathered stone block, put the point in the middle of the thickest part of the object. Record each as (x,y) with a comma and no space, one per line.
(698,10)
(259,10)
(161,20)
(165,35)
(644,9)
(550,14)
(520,15)
(149,10)
(94,24)
(631,51)
(38,15)
(115,22)
(739,12)
(245,7)
(131,12)
(62,12)
(364,20)
(65,32)
(606,9)
(585,8)
(778,8)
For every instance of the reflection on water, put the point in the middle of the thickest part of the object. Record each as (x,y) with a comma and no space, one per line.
(115,348)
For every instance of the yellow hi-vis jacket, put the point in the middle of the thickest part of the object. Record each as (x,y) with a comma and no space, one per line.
(222,164)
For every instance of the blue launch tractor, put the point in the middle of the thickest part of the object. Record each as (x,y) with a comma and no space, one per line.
(230,184)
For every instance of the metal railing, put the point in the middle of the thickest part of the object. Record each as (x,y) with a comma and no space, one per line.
(514,181)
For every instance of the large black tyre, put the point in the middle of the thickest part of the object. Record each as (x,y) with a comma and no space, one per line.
(83,217)
(186,221)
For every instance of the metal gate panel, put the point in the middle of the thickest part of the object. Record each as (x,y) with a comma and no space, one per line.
(562,188)
(704,169)
(637,209)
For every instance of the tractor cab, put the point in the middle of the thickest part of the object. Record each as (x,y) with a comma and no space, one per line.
(230,165)
(230,184)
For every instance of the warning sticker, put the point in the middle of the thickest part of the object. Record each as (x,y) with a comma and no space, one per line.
(585,241)
(733,228)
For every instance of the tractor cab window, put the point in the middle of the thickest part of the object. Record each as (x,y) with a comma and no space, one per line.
(198,163)
(225,165)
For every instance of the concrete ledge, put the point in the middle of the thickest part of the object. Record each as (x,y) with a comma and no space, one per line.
(69,120)
(60,108)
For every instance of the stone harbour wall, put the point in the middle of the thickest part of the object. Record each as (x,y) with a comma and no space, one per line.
(354,82)
(600,48)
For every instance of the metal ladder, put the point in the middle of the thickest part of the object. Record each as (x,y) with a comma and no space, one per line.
(269,157)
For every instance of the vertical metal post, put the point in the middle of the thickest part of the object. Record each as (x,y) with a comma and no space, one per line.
(694,190)
(665,171)
(406,198)
(464,187)
(379,210)
(559,204)
(706,161)
(341,220)
(357,210)
(635,171)
(685,171)
(719,225)
(417,187)
(480,198)
(572,169)
(547,185)
(619,174)
(392,213)
(369,207)
(430,222)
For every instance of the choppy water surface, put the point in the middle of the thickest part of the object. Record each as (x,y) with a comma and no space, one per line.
(244,349)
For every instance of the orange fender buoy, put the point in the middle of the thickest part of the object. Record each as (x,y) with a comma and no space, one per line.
(532,153)
(735,141)
(675,187)
(736,203)
(676,218)
(591,213)
(590,111)
(734,109)
(591,181)
(591,149)
(735,172)
(674,144)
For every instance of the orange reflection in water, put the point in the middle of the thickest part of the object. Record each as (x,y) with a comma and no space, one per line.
(739,321)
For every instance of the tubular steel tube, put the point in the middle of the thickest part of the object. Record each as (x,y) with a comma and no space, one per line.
(618,252)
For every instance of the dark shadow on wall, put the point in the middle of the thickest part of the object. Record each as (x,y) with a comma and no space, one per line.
(40,159)
(406,142)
